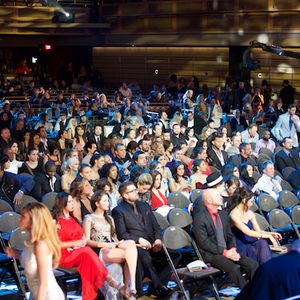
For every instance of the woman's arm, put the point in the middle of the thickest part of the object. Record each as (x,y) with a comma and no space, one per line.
(64,184)
(41,251)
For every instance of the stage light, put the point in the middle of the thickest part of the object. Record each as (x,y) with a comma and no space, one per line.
(48,47)
(63,17)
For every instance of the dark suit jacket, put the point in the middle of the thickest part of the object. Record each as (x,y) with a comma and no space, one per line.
(294,180)
(282,160)
(234,123)
(213,159)
(12,183)
(42,186)
(131,227)
(205,233)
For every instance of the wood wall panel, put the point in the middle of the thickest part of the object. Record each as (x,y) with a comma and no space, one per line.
(210,65)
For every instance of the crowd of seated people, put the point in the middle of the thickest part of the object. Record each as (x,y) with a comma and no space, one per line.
(119,179)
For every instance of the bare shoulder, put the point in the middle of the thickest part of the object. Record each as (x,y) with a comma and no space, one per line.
(41,247)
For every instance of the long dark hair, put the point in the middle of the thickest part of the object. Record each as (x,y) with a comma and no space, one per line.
(61,201)
(176,166)
(245,175)
(239,195)
(97,198)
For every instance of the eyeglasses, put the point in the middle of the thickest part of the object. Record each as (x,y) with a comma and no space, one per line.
(135,190)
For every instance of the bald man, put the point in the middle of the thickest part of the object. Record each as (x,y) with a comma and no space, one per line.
(277,279)
(216,242)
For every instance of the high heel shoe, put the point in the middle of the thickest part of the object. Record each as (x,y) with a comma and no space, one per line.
(120,287)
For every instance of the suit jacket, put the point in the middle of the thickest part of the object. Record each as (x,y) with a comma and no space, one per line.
(294,180)
(42,186)
(282,129)
(282,160)
(213,159)
(12,183)
(131,227)
(234,123)
(205,233)
(92,139)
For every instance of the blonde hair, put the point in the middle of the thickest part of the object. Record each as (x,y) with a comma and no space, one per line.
(43,228)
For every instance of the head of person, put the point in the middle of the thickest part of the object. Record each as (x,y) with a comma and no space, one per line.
(292,109)
(199,153)
(97,161)
(63,203)
(167,135)
(252,130)
(129,192)
(71,153)
(230,169)
(217,141)
(266,135)
(90,147)
(14,147)
(190,132)
(287,143)
(246,170)
(97,130)
(157,129)
(243,196)
(50,168)
(32,155)
(176,129)
(245,150)
(103,185)
(268,168)
(5,161)
(80,189)
(120,151)
(36,218)
(135,172)
(85,171)
(212,198)
(71,165)
(199,166)
(211,124)
(178,170)
(139,159)
(161,158)
(132,147)
(231,184)
(110,171)
(144,183)
(236,140)
(177,152)
(215,181)
(145,144)
(156,179)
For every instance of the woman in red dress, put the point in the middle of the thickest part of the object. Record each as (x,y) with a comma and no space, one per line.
(75,253)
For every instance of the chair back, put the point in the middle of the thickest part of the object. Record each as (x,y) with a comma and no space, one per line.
(286,172)
(285,185)
(161,220)
(17,238)
(25,200)
(266,202)
(9,221)
(195,194)
(256,176)
(279,219)
(4,206)
(296,214)
(277,173)
(254,207)
(262,222)
(287,199)
(176,238)
(49,199)
(179,218)
(277,149)
(267,152)
(178,200)
(263,157)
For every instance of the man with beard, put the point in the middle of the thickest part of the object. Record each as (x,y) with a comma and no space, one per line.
(265,142)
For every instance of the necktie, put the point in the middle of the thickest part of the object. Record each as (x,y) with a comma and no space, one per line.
(291,122)
(219,232)
(51,184)
(135,209)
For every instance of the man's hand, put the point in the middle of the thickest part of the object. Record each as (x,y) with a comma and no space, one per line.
(18,197)
(233,255)
(144,243)
(157,245)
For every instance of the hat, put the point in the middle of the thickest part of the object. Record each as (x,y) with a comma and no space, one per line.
(82,113)
(213,179)
(6,102)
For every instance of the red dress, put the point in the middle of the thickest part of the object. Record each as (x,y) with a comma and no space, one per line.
(92,271)
(157,202)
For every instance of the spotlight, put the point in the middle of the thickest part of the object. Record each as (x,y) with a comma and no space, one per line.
(63,17)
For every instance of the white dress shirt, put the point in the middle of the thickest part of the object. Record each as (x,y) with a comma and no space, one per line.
(269,185)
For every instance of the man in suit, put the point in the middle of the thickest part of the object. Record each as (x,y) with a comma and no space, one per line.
(250,135)
(46,182)
(176,137)
(216,156)
(96,136)
(287,157)
(135,221)
(294,180)
(287,125)
(277,279)
(13,187)
(244,156)
(238,122)
(216,242)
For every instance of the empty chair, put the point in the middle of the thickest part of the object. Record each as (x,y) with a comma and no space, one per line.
(285,185)
(277,173)
(267,152)
(287,199)
(174,238)
(296,214)
(49,199)
(254,207)
(161,220)
(263,157)
(280,220)
(256,176)
(266,202)
(5,206)
(25,200)
(195,194)
(178,200)
(17,238)
(262,222)
(9,221)
(180,218)
(287,171)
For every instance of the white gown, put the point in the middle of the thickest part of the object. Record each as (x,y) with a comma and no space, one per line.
(28,260)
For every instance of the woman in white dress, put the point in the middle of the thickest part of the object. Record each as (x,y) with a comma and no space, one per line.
(43,243)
